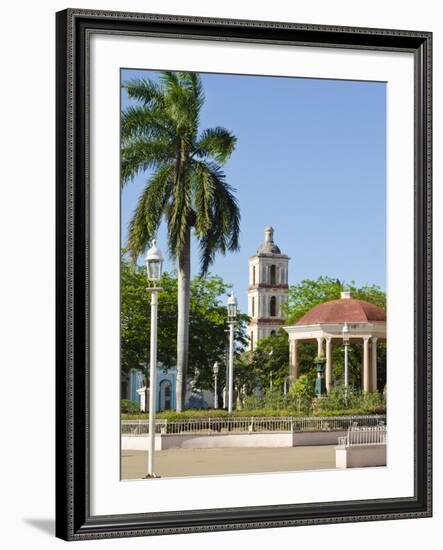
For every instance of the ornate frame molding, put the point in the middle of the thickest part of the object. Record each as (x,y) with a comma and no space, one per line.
(74,28)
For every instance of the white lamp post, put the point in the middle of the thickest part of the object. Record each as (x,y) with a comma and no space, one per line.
(232,316)
(345,332)
(154,265)
(270,370)
(215,371)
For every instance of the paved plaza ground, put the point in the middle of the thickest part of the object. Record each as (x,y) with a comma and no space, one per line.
(194,462)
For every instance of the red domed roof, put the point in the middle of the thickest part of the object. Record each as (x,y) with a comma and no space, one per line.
(345,310)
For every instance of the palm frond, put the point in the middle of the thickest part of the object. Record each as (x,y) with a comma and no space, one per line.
(144,90)
(183,101)
(222,232)
(203,194)
(141,121)
(143,154)
(193,83)
(217,143)
(149,211)
(179,216)
(188,187)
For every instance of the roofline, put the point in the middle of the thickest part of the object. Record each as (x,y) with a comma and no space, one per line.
(312,325)
(334,327)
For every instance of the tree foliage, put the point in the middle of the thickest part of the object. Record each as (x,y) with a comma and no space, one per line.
(208,339)
(310,292)
(302,391)
(270,360)
(185,184)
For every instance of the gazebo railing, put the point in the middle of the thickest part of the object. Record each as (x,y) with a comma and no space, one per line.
(253,424)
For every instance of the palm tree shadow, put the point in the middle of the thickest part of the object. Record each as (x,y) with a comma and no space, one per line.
(46,525)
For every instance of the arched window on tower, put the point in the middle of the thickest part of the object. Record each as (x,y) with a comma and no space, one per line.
(253,275)
(252,341)
(253,307)
(272,306)
(273,275)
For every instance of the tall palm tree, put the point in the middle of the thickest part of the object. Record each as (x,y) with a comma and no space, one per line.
(186,185)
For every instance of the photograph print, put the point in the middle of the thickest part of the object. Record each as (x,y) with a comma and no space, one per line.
(253,274)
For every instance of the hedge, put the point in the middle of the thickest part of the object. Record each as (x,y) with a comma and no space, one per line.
(220,413)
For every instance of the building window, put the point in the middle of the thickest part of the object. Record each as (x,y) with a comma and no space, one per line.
(253,307)
(253,275)
(272,307)
(272,332)
(252,341)
(273,274)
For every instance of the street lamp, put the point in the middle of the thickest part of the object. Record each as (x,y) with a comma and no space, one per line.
(345,333)
(215,371)
(232,317)
(154,265)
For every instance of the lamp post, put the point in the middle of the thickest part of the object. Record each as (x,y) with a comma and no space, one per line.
(154,264)
(270,370)
(345,333)
(215,371)
(232,316)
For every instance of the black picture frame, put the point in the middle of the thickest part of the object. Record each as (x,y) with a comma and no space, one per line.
(73,518)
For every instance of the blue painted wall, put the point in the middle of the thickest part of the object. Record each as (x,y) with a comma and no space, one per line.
(136,381)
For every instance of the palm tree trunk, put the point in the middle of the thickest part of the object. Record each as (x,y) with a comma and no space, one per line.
(184,280)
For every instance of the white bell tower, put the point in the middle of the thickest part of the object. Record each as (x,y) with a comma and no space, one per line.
(268,289)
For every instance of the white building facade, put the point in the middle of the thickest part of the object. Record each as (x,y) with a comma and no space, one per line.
(267,290)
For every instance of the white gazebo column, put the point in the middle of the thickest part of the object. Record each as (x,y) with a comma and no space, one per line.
(328,373)
(366,380)
(374,364)
(293,361)
(320,340)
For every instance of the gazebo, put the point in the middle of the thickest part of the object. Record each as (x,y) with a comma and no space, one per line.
(324,324)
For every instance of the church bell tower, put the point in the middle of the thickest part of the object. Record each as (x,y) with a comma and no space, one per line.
(268,289)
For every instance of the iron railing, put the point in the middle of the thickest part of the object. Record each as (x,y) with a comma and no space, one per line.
(254,424)
(360,436)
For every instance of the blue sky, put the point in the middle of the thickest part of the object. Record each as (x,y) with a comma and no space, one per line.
(310,161)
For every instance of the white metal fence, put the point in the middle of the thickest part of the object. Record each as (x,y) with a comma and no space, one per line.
(254,424)
(359,436)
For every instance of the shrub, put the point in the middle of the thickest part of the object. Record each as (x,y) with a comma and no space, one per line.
(301,394)
(272,399)
(341,401)
(129,406)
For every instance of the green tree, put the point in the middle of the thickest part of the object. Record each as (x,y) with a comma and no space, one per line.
(135,318)
(310,292)
(246,377)
(270,359)
(302,392)
(207,323)
(185,185)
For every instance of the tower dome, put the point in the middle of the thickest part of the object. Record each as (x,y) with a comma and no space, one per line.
(268,246)
(344,310)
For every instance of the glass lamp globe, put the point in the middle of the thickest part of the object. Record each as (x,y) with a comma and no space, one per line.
(154,263)
(232,307)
